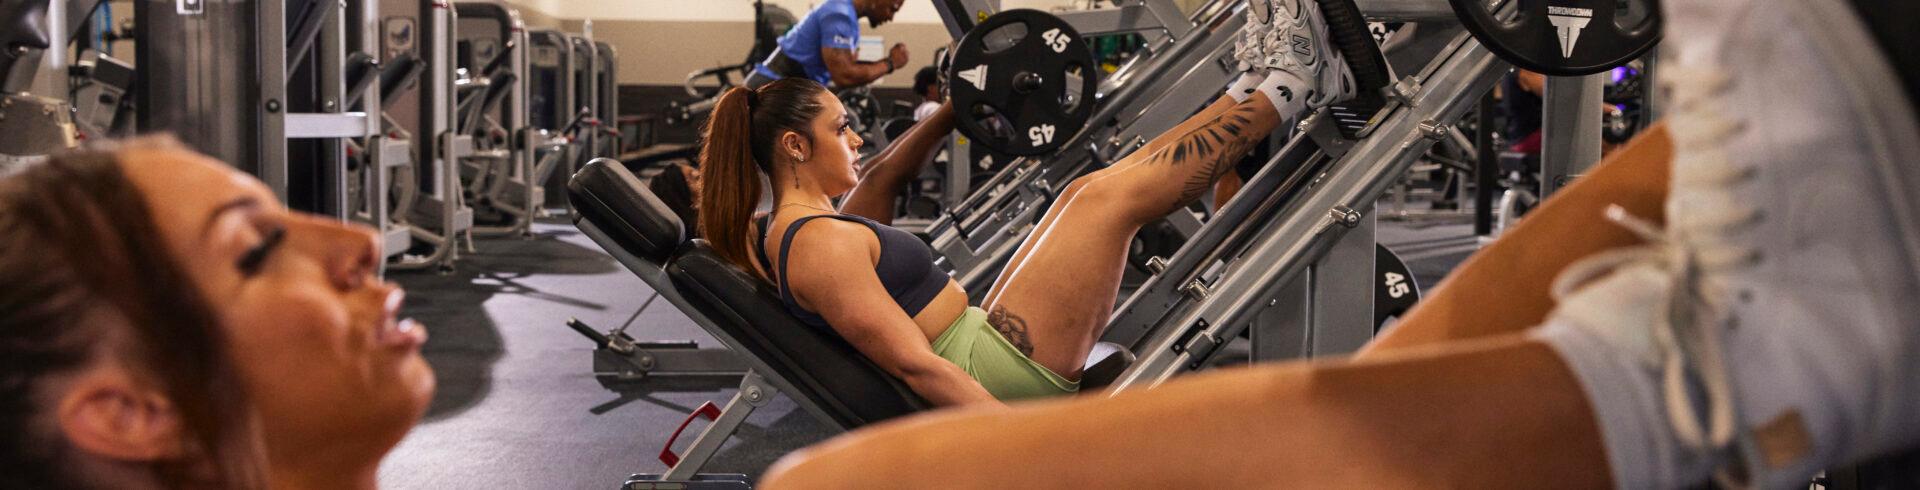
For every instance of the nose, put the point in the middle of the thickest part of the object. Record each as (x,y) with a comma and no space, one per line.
(349,254)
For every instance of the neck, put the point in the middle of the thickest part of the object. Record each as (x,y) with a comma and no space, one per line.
(321,473)
(800,192)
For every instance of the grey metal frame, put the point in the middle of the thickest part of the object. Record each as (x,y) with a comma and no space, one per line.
(509,179)
(1313,226)
(1152,94)
(445,218)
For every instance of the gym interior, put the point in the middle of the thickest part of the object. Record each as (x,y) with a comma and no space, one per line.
(530,173)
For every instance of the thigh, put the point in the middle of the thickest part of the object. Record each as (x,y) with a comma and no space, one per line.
(1504,287)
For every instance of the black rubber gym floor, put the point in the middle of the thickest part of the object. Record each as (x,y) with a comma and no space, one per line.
(517,406)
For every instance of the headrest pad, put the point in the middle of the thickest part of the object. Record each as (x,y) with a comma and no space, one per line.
(611,198)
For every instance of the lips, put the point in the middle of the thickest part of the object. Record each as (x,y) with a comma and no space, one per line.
(395,332)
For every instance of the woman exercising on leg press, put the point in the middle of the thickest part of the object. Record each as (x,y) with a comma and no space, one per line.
(879,288)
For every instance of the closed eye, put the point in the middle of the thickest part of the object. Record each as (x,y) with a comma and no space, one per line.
(256,256)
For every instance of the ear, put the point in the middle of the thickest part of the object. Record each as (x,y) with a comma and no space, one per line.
(796,146)
(109,414)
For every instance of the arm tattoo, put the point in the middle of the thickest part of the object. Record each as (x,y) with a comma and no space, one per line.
(1215,145)
(1013,328)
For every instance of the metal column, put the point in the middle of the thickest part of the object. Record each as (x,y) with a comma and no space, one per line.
(1570,130)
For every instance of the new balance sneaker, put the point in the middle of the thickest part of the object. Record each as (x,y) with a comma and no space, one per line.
(1294,39)
(1769,330)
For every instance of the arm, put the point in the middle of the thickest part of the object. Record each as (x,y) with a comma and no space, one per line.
(854,302)
(1460,416)
(886,173)
(849,71)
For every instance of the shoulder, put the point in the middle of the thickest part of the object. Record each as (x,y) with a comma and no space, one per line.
(837,234)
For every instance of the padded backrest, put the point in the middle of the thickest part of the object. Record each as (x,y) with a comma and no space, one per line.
(605,193)
(823,367)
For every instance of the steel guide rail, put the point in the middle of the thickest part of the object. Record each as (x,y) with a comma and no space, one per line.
(1208,313)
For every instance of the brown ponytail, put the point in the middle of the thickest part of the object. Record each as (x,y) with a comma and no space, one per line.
(738,149)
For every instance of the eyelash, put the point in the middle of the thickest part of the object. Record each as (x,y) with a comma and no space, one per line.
(255,257)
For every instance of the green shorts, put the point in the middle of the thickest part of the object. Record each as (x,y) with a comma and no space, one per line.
(1009,375)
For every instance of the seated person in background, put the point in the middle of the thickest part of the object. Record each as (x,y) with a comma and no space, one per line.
(824,46)
(879,288)
(166,323)
(1748,320)
(926,84)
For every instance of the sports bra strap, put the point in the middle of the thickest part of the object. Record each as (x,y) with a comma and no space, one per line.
(786,246)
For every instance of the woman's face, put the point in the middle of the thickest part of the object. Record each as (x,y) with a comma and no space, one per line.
(326,363)
(836,157)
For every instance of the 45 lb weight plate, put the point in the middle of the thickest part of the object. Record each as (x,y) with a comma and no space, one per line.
(1021,82)
(1565,37)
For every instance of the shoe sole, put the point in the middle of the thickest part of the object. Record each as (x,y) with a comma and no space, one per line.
(1348,31)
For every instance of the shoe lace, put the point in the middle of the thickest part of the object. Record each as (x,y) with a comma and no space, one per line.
(1695,250)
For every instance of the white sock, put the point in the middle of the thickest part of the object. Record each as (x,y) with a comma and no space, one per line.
(1245,86)
(1286,91)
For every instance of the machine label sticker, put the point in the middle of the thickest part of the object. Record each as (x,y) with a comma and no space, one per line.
(1041,135)
(1569,21)
(977,76)
(1056,40)
(190,7)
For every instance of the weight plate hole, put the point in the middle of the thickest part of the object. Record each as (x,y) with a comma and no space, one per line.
(1075,78)
(1004,37)
(992,122)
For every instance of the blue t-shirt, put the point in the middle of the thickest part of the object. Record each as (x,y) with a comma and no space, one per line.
(834,25)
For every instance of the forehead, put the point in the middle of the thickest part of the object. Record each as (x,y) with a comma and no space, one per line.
(181,186)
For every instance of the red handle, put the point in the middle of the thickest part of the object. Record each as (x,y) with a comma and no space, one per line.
(709,410)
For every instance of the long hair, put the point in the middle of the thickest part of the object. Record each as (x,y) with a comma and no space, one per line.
(738,149)
(82,261)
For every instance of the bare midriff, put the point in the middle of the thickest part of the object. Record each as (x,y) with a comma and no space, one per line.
(940,313)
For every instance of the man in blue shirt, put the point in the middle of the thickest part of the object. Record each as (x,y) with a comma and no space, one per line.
(822,46)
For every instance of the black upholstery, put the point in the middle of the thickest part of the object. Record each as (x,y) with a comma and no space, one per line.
(824,369)
(611,198)
(22,32)
(396,73)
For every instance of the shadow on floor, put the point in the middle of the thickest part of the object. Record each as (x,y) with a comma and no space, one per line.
(465,341)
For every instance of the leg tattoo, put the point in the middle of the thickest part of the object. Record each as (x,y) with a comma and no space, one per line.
(1215,145)
(1013,328)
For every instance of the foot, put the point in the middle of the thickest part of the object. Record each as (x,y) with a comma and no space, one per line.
(1293,39)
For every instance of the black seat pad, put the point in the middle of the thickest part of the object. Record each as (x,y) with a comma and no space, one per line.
(824,367)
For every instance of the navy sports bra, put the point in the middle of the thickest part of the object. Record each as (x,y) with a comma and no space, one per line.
(906,267)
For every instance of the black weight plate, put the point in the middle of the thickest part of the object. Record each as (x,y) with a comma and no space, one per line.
(1564,37)
(1021,82)
(1394,290)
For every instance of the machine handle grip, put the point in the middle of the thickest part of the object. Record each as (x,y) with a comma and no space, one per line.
(708,410)
(599,339)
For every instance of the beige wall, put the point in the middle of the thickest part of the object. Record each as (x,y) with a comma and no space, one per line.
(664,52)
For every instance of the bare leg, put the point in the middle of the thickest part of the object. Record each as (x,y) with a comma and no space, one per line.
(1061,293)
(896,165)
(1515,272)
(1457,416)
(1206,115)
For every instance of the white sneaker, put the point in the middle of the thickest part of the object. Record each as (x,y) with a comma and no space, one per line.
(1247,46)
(1294,40)
(1770,327)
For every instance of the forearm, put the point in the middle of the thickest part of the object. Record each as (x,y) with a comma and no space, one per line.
(1516,272)
(887,173)
(945,384)
(1491,414)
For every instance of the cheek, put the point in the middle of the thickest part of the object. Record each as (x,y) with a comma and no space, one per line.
(282,331)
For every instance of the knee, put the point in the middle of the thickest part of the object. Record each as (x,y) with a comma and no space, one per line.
(1095,189)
